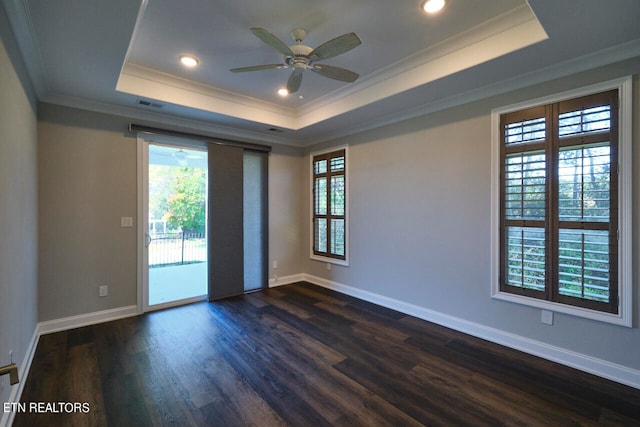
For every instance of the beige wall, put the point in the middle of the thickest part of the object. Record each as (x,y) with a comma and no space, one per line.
(18,208)
(87,175)
(420,222)
(87,178)
(286,211)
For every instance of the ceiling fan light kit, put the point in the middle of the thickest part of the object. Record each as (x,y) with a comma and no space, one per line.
(300,57)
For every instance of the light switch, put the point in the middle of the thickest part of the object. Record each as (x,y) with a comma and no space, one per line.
(547,317)
(126,221)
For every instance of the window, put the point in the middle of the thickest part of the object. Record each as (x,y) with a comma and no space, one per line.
(560,208)
(329,173)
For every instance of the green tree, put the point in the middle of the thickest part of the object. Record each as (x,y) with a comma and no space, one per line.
(159,179)
(186,201)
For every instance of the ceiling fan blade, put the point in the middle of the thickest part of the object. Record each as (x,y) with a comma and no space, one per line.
(336,46)
(272,41)
(256,68)
(295,80)
(335,73)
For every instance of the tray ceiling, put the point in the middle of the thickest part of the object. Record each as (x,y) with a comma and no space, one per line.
(109,56)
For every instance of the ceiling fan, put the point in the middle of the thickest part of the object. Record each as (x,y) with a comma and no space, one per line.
(301,57)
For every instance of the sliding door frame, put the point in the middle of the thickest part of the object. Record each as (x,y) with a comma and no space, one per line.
(143,142)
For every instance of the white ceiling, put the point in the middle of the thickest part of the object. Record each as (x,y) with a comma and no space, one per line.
(107,55)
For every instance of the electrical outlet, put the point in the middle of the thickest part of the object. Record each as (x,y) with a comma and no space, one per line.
(103,290)
(329,266)
(275,265)
(547,317)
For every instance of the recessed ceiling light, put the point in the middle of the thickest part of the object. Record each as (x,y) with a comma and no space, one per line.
(432,6)
(189,61)
(283,92)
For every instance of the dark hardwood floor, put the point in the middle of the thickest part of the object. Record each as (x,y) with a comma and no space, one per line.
(302,355)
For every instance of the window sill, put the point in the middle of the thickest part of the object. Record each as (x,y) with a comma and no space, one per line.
(622,319)
(342,262)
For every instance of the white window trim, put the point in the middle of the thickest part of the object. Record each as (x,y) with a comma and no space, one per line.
(343,262)
(625,181)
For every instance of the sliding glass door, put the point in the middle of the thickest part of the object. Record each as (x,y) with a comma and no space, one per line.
(203,220)
(176,230)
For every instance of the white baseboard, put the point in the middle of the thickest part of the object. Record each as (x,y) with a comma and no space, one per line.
(86,319)
(66,323)
(599,367)
(592,365)
(23,372)
(286,280)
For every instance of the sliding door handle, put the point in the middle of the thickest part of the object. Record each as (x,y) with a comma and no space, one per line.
(147,240)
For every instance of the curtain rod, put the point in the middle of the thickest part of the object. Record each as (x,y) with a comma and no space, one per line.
(247,145)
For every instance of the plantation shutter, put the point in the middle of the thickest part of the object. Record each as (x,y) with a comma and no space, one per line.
(559,215)
(586,244)
(329,204)
(525,202)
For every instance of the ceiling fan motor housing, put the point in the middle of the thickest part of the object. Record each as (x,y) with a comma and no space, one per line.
(300,58)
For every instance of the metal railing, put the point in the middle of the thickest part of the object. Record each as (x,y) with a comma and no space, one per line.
(177,249)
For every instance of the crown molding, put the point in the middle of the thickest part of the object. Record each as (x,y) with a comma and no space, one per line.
(498,37)
(619,53)
(134,35)
(501,35)
(510,20)
(21,23)
(593,60)
(143,81)
(132,113)
(160,77)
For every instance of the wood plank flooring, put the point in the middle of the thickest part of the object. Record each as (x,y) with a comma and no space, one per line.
(302,355)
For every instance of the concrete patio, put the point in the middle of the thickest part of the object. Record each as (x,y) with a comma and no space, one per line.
(177,282)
